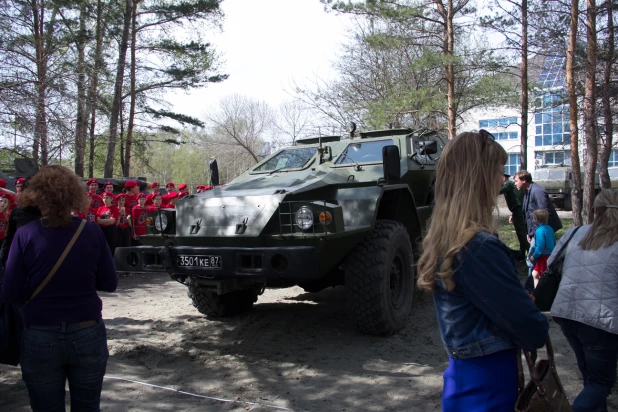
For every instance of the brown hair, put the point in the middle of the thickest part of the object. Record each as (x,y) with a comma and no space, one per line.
(604,230)
(540,216)
(524,176)
(57,192)
(469,157)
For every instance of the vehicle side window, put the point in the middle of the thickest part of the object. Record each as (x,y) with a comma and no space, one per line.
(363,152)
(287,159)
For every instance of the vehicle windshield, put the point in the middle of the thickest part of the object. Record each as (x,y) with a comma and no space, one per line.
(288,159)
(362,152)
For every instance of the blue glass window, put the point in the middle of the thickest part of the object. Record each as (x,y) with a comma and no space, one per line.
(493,123)
(483,124)
(513,164)
(513,135)
(613,158)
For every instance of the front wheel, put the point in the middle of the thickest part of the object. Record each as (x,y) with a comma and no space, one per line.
(207,302)
(379,280)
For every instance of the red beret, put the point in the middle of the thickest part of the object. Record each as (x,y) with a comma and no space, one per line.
(93,180)
(121,195)
(5,195)
(141,195)
(170,184)
(20,180)
(2,183)
(108,194)
(108,183)
(130,183)
(182,186)
(154,184)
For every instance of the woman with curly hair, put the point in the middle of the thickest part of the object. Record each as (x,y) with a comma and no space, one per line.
(65,337)
(483,311)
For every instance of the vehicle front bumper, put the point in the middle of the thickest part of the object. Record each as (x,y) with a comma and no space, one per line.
(298,262)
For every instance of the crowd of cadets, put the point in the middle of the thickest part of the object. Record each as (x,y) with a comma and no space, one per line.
(7,203)
(122,217)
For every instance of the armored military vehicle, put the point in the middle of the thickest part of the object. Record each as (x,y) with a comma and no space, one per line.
(556,180)
(328,211)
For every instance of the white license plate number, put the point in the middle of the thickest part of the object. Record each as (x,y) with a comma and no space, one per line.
(206,262)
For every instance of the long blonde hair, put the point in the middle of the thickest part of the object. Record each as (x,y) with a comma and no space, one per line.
(604,230)
(466,190)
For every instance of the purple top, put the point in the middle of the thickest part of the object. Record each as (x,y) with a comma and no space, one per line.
(70,296)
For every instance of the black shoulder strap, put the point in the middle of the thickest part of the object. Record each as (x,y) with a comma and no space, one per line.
(566,243)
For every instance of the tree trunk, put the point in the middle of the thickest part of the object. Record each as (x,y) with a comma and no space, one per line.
(448,48)
(94,84)
(127,157)
(524,86)
(40,128)
(576,181)
(589,113)
(81,126)
(606,143)
(116,103)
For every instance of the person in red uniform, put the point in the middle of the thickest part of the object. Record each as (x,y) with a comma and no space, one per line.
(157,202)
(4,214)
(107,216)
(19,183)
(124,222)
(3,190)
(108,187)
(171,190)
(184,190)
(138,217)
(172,199)
(132,188)
(150,196)
(96,200)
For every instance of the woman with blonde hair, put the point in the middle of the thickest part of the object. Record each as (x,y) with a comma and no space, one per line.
(586,305)
(483,312)
(55,266)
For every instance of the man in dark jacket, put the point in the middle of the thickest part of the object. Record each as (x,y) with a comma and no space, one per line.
(535,197)
(514,198)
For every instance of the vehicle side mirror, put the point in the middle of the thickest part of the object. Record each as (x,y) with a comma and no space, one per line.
(214,172)
(428,147)
(391,164)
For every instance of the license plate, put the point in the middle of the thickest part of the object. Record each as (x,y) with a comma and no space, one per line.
(207,262)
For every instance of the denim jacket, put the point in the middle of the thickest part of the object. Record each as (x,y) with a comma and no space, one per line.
(488,310)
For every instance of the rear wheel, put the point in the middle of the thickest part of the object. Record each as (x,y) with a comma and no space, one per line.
(209,303)
(379,280)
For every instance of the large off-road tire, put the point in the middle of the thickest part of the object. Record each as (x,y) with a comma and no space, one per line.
(210,304)
(379,280)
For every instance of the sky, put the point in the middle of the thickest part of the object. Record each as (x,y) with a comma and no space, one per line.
(265,46)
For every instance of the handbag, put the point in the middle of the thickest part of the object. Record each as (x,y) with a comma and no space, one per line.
(11,318)
(544,391)
(545,292)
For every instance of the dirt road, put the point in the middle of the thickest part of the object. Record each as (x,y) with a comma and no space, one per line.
(295,350)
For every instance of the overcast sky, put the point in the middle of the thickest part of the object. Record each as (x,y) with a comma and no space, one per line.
(264,46)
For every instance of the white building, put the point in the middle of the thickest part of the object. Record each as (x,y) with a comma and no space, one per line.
(549,134)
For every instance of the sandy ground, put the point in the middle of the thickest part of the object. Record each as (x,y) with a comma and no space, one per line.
(294,350)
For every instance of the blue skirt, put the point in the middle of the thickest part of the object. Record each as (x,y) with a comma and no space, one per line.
(483,384)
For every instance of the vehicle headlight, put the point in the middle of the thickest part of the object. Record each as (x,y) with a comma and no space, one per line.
(160,222)
(304,218)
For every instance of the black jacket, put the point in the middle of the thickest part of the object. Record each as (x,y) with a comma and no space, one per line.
(536,198)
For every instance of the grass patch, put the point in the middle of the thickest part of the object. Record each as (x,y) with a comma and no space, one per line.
(506,231)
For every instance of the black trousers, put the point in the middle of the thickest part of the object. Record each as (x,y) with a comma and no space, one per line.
(124,237)
(111,235)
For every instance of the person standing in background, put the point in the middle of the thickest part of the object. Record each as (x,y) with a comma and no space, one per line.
(535,197)
(586,305)
(132,187)
(107,217)
(514,198)
(65,336)
(123,238)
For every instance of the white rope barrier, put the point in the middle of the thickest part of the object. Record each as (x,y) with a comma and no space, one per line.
(196,395)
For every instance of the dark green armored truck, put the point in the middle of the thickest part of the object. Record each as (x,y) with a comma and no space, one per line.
(327,211)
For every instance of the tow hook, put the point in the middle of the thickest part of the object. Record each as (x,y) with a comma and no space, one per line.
(166,255)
